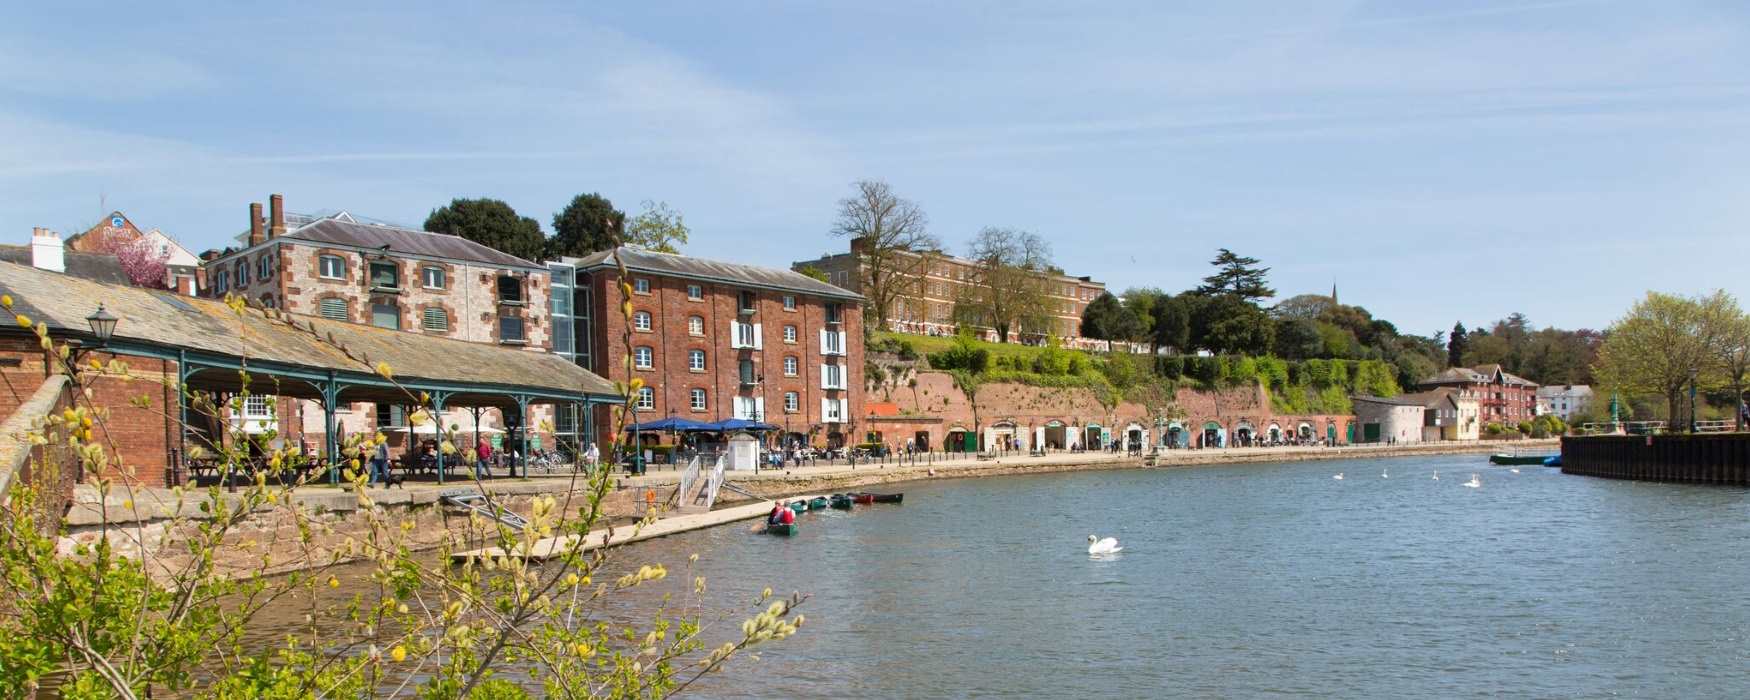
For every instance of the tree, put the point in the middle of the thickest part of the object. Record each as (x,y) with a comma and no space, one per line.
(1107,319)
(1663,343)
(1141,304)
(814,272)
(657,228)
(888,235)
(491,223)
(1237,276)
(1009,291)
(588,224)
(144,264)
(1307,306)
(1228,324)
(1734,356)
(1172,324)
(1456,345)
(1297,338)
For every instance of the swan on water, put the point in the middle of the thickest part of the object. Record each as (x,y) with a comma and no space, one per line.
(1515,470)
(1384,474)
(1437,475)
(1475,481)
(1339,476)
(1105,546)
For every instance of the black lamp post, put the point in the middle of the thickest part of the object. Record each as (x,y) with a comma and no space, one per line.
(103,325)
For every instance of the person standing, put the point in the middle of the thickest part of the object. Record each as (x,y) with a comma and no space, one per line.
(380,462)
(591,455)
(482,458)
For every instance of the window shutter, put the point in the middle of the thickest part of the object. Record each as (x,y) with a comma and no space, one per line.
(843,349)
(824,382)
(823,333)
(759,407)
(823,409)
(734,338)
(844,408)
(759,338)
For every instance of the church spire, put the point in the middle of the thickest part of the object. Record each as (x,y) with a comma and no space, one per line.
(1333,293)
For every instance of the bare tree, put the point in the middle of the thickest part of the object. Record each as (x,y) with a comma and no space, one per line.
(1011,286)
(887,232)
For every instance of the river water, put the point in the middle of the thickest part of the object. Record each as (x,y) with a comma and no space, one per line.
(1254,580)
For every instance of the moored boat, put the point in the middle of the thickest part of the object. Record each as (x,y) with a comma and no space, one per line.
(888,497)
(799,506)
(784,529)
(1554,461)
(1502,458)
(819,503)
(841,501)
(864,498)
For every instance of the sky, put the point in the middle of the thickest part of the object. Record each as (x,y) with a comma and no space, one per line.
(1437,161)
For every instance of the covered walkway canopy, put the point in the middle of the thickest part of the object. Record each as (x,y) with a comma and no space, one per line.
(218,350)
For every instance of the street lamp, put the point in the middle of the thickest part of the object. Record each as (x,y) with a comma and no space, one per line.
(102,324)
(1693,373)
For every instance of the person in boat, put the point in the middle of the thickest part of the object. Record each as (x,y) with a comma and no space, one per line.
(777,514)
(786,516)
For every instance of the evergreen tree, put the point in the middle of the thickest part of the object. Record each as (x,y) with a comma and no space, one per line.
(1238,276)
(491,223)
(588,224)
(1455,347)
(1108,319)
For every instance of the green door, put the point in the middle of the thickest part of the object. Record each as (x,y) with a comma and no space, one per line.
(971,442)
(1370,432)
(1331,434)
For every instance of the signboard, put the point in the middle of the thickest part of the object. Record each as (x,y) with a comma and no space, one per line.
(497,441)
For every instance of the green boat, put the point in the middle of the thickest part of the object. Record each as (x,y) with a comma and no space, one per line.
(786,530)
(819,503)
(841,501)
(799,506)
(1517,459)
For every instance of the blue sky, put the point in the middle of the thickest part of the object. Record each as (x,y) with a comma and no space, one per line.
(1439,161)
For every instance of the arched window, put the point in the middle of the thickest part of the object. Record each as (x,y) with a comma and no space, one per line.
(695,325)
(641,320)
(791,365)
(643,357)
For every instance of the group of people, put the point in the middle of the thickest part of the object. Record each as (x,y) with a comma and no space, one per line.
(781,515)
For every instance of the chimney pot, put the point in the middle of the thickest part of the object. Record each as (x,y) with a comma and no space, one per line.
(276,209)
(256,234)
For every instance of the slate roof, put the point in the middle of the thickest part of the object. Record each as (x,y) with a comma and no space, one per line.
(170,320)
(1402,400)
(347,232)
(92,266)
(1433,398)
(1482,374)
(713,271)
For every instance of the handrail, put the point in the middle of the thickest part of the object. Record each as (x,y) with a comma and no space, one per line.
(15,447)
(688,478)
(714,483)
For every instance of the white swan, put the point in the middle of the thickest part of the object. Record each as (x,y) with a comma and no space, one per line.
(1437,475)
(1475,482)
(1383,474)
(1339,476)
(1105,546)
(1515,470)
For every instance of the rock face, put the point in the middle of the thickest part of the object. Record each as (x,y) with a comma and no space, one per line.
(1060,418)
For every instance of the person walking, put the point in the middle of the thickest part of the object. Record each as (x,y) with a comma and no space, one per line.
(591,455)
(482,458)
(380,463)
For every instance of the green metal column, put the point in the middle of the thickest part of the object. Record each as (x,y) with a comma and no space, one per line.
(437,417)
(331,401)
(522,408)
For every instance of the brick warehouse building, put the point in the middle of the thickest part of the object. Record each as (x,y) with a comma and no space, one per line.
(346,268)
(715,340)
(932,282)
(1502,397)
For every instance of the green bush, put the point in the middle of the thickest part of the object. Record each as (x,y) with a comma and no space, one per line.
(1171,366)
(963,354)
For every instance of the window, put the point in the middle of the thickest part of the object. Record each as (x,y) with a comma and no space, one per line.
(333,308)
(747,302)
(695,325)
(698,399)
(433,277)
(561,301)
(791,366)
(510,329)
(331,267)
(386,316)
(646,399)
(832,410)
(435,319)
(789,303)
(641,320)
(643,357)
(832,377)
(749,407)
(389,416)
(832,313)
(385,275)
(792,402)
(563,341)
(746,335)
(510,290)
(561,274)
(789,334)
(641,286)
(832,342)
(696,360)
(243,274)
(695,292)
(747,376)
(264,267)
(220,279)
(255,406)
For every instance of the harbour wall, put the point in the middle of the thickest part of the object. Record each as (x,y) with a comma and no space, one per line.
(1722,458)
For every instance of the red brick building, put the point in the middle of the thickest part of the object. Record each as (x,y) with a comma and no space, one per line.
(715,340)
(1502,397)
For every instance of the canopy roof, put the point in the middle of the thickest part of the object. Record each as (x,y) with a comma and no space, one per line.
(288,354)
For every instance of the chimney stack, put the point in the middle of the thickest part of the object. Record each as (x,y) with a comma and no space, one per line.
(256,235)
(47,251)
(276,212)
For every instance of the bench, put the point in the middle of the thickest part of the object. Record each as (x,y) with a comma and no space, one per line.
(986,456)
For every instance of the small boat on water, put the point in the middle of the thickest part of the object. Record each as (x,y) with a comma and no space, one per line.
(841,501)
(784,529)
(819,503)
(877,497)
(1503,458)
(1554,461)
(864,498)
(799,506)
